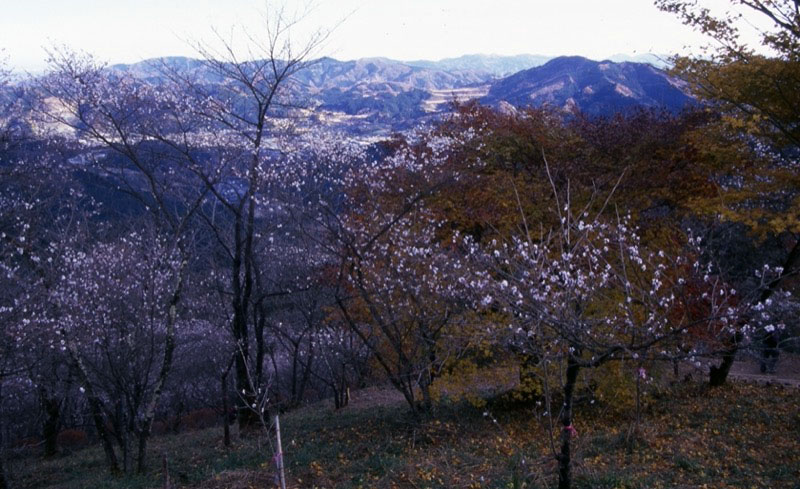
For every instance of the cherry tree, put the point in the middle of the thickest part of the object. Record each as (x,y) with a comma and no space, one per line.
(397,265)
(118,121)
(587,292)
(42,207)
(12,309)
(114,317)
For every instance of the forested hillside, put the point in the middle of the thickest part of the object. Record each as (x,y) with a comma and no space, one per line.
(560,272)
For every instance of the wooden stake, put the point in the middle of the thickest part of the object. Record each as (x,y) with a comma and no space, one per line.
(279,456)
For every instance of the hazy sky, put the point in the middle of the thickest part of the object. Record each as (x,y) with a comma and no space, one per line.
(131,30)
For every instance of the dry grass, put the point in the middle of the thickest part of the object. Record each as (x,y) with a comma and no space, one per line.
(737,436)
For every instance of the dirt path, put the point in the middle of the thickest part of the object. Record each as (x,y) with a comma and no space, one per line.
(787,372)
(764,379)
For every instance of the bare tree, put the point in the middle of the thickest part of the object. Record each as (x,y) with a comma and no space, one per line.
(246,116)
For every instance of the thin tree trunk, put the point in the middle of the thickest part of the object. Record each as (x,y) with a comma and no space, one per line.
(226,411)
(301,391)
(165,470)
(248,418)
(240,304)
(337,402)
(425,382)
(565,457)
(166,366)
(4,483)
(3,480)
(141,460)
(633,431)
(52,420)
(260,323)
(293,401)
(123,437)
(95,407)
(279,455)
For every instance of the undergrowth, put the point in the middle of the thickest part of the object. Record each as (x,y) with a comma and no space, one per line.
(737,436)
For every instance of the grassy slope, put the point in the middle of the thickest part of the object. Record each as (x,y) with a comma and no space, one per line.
(737,436)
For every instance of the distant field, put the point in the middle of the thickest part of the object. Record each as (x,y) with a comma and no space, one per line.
(439,97)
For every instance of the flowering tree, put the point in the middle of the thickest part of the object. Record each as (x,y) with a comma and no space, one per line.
(43,206)
(401,305)
(397,265)
(587,292)
(114,316)
(13,307)
(756,89)
(118,120)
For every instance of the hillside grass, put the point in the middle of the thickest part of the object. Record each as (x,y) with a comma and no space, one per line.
(736,436)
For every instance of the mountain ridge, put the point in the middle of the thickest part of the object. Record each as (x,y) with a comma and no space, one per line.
(594,87)
(380,95)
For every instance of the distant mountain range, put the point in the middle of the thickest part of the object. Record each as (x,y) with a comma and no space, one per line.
(495,65)
(594,87)
(328,72)
(374,96)
(500,66)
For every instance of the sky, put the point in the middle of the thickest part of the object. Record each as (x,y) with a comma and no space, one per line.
(124,31)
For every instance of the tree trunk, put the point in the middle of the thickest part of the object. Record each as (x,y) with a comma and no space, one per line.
(247,416)
(260,323)
(165,471)
(310,354)
(245,389)
(163,373)
(122,430)
(293,380)
(99,424)
(425,382)
(242,282)
(226,411)
(337,401)
(567,431)
(4,484)
(405,383)
(141,460)
(718,375)
(341,394)
(3,481)
(95,407)
(52,420)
